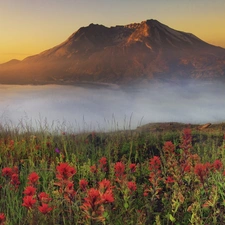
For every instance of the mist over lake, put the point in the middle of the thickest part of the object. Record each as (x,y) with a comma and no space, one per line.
(111,107)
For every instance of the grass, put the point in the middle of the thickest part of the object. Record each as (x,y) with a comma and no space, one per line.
(157,175)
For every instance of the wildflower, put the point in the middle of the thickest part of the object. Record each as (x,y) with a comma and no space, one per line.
(2,218)
(186,140)
(69,191)
(28,201)
(168,147)
(57,150)
(119,169)
(104,185)
(93,169)
(103,163)
(7,172)
(132,167)
(30,191)
(44,208)
(217,165)
(132,186)
(33,178)
(186,167)
(154,163)
(15,180)
(169,180)
(92,200)
(83,184)
(108,197)
(44,197)
(201,170)
(65,171)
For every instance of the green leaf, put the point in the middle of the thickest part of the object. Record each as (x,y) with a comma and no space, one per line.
(126,205)
(172,219)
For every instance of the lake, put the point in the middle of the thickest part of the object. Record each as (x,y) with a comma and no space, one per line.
(83,108)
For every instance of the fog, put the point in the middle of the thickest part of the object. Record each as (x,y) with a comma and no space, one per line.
(111,107)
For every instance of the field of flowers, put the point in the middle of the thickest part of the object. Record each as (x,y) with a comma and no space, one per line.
(112,178)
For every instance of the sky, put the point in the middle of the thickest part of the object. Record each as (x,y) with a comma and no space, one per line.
(28,27)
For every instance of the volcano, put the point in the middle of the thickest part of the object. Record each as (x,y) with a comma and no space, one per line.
(134,53)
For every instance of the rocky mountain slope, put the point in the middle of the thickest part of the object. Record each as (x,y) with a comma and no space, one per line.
(134,53)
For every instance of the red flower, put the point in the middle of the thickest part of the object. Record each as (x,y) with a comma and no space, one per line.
(2,218)
(108,197)
(7,172)
(93,198)
(33,178)
(132,186)
(186,140)
(168,147)
(28,201)
(103,163)
(201,170)
(44,197)
(83,184)
(217,165)
(30,190)
(154,163)
(169,180)
(132,167)
(93,169)
(44,208)
(104,185)
(119,169)
(65,171)
(15,180)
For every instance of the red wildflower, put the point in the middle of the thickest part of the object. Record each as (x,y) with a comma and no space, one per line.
(83,184)
(44,208)
(186,167)
(7,172)
(44,197)
(103,161)
(28,201)
(93,199)
(33,178)
(201,170)
(104,185)
(186,140)
(93,169)
(108,197)
(30,191)
(132,167)
(168,147)
(169,180)
(65,171)
(15,180)
(119,169)
(154,163)
(132,186)
(2,218)
(217,165)
(69,191)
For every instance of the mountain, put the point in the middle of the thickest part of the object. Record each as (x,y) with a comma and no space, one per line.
(138,52)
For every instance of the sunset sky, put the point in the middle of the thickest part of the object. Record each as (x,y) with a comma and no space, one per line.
(30,27)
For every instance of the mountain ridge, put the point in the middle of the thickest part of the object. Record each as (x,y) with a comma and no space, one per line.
(122,55)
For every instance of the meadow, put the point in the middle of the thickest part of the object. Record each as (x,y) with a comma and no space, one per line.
(130,177)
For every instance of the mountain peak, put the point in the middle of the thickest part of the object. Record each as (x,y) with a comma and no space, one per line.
(120,54)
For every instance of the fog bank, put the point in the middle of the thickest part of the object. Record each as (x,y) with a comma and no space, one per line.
(110,108)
